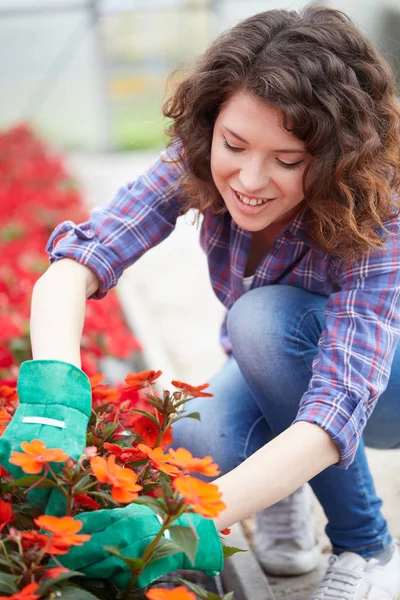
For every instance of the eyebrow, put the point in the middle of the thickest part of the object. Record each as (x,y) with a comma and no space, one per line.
(286,150)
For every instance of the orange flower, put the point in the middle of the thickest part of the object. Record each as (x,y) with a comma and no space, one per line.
(195,391)
(159,460)
(137,381)
(64,531)
(148,431)
(28,593)
(6,514)
(101,391)
(8,393)
(35,456)
(5,418)
(122,480)
(183,459)
(178,593)
(205,498)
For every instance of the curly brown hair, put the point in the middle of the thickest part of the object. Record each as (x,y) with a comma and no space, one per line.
(338,94)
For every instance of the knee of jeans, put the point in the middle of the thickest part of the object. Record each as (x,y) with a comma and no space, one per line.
(278,314)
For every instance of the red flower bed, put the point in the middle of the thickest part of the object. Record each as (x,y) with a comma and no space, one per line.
(36,193)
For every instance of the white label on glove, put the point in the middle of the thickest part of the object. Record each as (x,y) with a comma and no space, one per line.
(44,421)
(167,534)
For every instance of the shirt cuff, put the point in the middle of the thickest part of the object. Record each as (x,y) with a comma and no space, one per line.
(345,431)
(79,243)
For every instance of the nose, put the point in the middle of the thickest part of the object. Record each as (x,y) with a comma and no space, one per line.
(254,178)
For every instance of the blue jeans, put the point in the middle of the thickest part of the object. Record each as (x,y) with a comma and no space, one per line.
(274,332)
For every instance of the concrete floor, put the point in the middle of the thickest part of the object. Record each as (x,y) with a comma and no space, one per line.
(177,317)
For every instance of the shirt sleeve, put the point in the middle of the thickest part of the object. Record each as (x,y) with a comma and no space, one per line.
(141,215)
(356,349)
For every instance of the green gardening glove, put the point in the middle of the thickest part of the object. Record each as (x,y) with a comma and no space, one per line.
(131,529)
(54,407)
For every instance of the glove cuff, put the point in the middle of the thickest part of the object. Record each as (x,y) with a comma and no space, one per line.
(54,381)
(209,555)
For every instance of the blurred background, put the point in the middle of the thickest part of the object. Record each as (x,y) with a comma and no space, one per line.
(91,74)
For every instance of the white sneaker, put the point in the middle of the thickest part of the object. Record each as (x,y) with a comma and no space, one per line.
(285,536)
(351,577)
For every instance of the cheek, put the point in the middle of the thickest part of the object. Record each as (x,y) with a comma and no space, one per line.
(220,167)
(293,186)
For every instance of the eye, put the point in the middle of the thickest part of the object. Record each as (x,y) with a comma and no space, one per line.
(231,148)
(289,165)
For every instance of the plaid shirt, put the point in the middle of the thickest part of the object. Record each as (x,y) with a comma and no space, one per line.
(356,348)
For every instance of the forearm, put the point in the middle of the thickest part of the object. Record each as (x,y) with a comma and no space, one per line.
(275,471)
(58,311)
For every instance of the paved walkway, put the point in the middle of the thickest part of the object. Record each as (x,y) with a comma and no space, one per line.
(176,316)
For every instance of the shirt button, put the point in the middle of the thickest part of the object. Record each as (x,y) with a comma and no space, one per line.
(84,235)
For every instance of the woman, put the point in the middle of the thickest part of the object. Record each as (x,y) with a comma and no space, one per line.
(285,138)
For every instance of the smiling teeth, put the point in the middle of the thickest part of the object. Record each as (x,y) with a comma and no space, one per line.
(251,201)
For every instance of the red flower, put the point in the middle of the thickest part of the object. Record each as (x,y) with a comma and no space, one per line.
(3,472)
(125,455)
(195,391)
(87,501)
(148,431)
(6,514)
(55,572)
(28,593)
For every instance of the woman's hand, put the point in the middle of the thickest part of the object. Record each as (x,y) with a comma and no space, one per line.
(131,529)
(55,401)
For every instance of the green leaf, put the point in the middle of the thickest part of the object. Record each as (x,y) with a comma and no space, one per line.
(29,480)
(108,431)
(152,503)
(73,592)
(231,550)
(134,564)
(106,497)
(8,583)
(193,415)
(164,549)
(82,483)
(149,416)
(49,582)
(156,402)
(187,539)
(199,591)
(229,596)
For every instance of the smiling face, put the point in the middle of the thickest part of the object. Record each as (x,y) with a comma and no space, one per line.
(257,165)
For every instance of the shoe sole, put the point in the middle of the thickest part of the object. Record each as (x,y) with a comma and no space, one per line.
(301,567)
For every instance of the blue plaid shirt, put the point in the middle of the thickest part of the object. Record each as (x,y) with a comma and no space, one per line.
(356,348)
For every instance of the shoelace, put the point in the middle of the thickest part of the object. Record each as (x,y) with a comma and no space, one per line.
(340,582)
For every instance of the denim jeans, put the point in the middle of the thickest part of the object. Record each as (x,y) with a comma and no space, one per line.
(274,332)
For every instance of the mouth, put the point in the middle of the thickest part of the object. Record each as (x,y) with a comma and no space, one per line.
(251,205)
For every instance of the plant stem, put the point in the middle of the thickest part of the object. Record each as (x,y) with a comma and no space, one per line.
(147,554)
